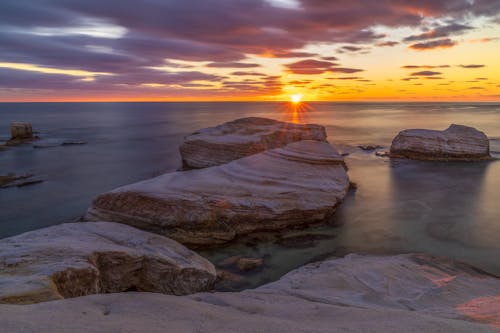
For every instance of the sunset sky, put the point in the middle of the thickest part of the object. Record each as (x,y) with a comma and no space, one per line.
(117,50)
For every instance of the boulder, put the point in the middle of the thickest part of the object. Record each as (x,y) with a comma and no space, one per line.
(20,133)
(404,293)
(77,259)
(298,184)
(242,137)
(457,143)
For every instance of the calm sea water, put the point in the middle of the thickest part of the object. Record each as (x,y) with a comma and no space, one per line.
(450,209)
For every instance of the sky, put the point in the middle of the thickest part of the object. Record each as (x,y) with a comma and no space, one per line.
(249,50)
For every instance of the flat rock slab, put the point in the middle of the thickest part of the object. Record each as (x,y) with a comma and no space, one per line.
(77,259)
(243,137)
(457,143)
(405,293)
(299,184)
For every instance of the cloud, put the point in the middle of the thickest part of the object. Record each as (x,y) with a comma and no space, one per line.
(346,78)
(439,32)
(425,66)
(243,73)
(233,64)
(472,66)
(435,44)
(388,43)
(425,73)
(292,54)
(330,58)
(310,66)
(345,70)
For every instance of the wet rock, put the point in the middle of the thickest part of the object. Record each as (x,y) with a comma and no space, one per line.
(57,143)
(247,264)
(20,133)
(13,180)
(242,137)
(296,185)
(403,293)
(77,259)
(369,147)
(228,276)
(456,143)
(302,241)
(382,153)
(230,261)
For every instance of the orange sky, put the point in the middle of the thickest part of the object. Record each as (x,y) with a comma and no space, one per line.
(398,53)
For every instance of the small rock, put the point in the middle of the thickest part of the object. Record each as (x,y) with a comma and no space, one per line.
(73,143)
(369,147)
(20,133)
(224,275)
(353,185)
(382,153)
(247,264)
(13,180)
(229,261)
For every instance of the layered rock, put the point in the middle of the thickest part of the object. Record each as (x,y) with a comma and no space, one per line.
(77,259)
(458,142)
(20,133)
(242,137)
(405,293)
(295,185)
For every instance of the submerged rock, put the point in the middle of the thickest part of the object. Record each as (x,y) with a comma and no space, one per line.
(20,133)
(456,143)
(299,184)
(242,137)
(247,264)
(77,259)
(404,293)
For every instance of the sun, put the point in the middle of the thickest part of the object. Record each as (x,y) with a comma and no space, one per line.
(296,98)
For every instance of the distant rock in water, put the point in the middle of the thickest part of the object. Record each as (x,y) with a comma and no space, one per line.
(77,259)
(457,143)
(405,293)
(13,180)
(51,143)
(242,137)
(20,133)
(298,184)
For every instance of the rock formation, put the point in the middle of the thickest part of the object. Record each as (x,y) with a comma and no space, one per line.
(404,293)
(20,133)
(457,143)
(77,259)
(298,184)
(242,137)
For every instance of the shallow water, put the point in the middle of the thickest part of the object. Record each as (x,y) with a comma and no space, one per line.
(449,209)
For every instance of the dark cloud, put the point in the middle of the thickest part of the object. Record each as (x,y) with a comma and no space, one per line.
(425,66)
(472,66)
(244,73)
(439,32)
(346,78)
(330,58)
(425,73)
(388,43)
(310,66)
(292,54)
(233,64)
(435,44)
(345,70)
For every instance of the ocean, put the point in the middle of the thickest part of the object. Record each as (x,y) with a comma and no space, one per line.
(399,206)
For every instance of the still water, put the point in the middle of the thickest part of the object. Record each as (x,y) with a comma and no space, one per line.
(450,209)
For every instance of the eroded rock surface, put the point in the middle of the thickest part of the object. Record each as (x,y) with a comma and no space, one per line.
(298,184)
(458,142)
(20,133)
(405,293)
(77,259)
(243,137)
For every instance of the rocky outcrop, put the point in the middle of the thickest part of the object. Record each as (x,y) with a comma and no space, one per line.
(242,137)
(405,293)
(457,143)
(77,259)
(20,133)
(13,180)
(299,184)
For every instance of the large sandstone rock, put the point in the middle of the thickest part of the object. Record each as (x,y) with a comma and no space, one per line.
(299,184)
(405,293)
(78,259)
(242,137)
(458,142)
(20,133)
